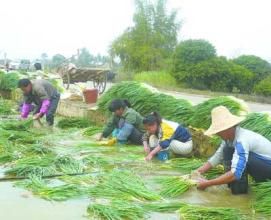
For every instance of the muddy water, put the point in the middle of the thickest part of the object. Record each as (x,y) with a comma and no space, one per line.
(16,203)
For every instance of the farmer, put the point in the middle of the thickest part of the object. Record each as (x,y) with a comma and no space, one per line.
(43,95)
(124,125)
(242,152)
(162,135)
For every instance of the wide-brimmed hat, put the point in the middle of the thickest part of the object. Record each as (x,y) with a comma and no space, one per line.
(222,119)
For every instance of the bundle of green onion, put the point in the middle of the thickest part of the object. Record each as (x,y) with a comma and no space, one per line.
(57,193)
(174,186)
(90,131)
(259,123)
(122,184)
(185,165)
(191,212)
(116,210)
(201,117)
(163,206)
(146,99)
(21,125)
(262,201)
(33,165)
(66,123)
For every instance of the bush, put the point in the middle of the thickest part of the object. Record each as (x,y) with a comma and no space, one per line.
(264,87)
(218,74)
(189,53)
(261,68)
(155,78)
(193,51)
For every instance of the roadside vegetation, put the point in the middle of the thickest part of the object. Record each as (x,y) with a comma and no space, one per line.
(149,51)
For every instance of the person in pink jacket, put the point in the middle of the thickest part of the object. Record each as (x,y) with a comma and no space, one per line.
(41,93)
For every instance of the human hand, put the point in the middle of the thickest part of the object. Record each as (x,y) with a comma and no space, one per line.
(146,149)
(203,184)
(37,116)
(149,157)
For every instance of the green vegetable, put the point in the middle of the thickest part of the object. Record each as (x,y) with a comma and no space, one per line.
(191,212)
(74,123)
(116,210)
(259,123)
(174,186)
(90,131)
(185,165)
(68,165)
(6,107)
(56,193)
(9,81)
(202,112)
(146,99)
(262,200)
(23,125)
(122,184)
(163,206)
(33,165)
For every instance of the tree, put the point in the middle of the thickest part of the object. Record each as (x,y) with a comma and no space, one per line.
(44,60)
(85,59)
(264,87)
(261,68)
(193,51)
(151,41)
(218,74)
(57,60)
(187,54)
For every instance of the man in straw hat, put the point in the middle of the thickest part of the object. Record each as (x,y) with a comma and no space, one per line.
(242,152)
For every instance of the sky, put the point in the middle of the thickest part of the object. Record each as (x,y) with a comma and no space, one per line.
(31,27)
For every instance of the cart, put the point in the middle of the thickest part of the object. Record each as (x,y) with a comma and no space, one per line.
(72,74)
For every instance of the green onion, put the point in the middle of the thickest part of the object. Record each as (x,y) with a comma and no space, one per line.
(174,186)
(191,212)
(66,123)
(116,210)
(259,123)
(262,200)
(122,184)
(202,113)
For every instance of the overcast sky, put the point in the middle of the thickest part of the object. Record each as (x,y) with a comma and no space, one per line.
(31,27)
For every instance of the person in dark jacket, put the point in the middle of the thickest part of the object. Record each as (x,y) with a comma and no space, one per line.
(163,135)
(125,123)
(43,95)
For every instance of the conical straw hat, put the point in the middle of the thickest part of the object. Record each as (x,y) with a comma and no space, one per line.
(222,119)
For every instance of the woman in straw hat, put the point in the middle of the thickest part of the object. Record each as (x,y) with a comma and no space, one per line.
(242,152)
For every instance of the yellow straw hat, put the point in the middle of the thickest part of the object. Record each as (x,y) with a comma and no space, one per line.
(222,119)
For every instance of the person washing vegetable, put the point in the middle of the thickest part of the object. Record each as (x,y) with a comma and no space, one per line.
(43,95)
(162,135)
(242,152)
(124,125)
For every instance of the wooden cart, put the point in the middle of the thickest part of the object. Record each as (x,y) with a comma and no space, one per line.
(98,76)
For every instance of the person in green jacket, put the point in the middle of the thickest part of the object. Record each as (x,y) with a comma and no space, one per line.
(126,124)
